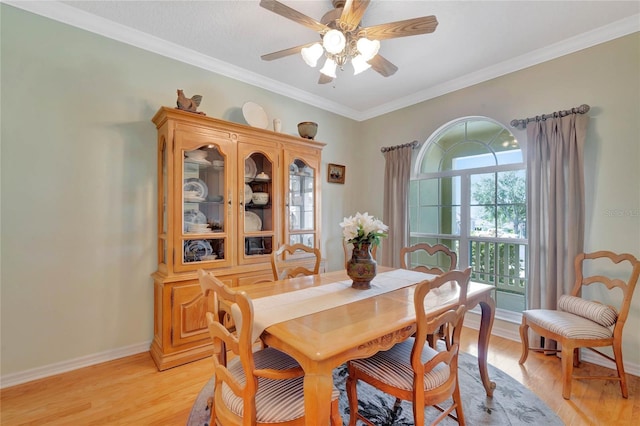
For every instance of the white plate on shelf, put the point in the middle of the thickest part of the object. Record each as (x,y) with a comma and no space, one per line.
(190,199)
(250,169)
(193,216)
(196,185)
(255,115)
(197,161)
(248,194)
(252,222)
(194,250)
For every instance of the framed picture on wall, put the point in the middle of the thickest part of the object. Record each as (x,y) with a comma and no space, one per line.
(335,173)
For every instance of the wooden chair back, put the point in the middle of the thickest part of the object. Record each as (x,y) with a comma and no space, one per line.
(283,268)
(607,260)
(348,251)
(432,250)
(239,342)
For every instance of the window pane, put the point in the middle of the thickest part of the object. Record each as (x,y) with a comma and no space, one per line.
(512,187)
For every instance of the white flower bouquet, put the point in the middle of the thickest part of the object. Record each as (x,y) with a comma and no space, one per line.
(363,228)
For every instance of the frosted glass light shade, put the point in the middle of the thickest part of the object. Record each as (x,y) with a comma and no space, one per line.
(368,48)
(311,54)
(359,65)
(334,41)
(329,68)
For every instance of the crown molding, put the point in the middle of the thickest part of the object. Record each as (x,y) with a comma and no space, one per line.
(78,18)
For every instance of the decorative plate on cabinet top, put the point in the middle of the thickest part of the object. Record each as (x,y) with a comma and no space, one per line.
(255,115)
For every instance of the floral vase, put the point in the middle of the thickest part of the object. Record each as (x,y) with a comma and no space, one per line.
(361,268)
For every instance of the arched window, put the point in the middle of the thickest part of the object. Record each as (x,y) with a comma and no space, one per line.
(468,191)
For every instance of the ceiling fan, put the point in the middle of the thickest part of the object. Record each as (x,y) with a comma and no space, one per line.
(343,39)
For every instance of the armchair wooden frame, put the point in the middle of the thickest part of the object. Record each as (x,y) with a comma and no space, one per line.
(283,269)
(418,359)
(570,346)
(253,382)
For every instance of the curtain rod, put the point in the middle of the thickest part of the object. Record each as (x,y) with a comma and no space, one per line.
(582,109)
(391,148)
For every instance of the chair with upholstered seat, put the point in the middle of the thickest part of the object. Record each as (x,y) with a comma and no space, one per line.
(348,251)
(581,323)
(283,266)
(435,252)
(255,387)
(429,259)
(412,370)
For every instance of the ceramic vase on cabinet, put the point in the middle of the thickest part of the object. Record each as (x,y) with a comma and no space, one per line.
(361,268)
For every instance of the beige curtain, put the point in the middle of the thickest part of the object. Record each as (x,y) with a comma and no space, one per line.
(397,172)
(555,180)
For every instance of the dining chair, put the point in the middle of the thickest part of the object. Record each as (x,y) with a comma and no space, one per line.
(348,251)
(412,370)
(581,323)
(283,267)
(256,386)
(436,251)
(426,252)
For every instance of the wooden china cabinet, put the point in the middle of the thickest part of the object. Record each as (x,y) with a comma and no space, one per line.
(208,171)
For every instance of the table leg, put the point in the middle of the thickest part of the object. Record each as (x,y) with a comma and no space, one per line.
(488,307)
(317,398)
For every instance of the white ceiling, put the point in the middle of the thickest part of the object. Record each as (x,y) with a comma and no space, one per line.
(475,41)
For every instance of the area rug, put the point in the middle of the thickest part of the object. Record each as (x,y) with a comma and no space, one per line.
(512,403)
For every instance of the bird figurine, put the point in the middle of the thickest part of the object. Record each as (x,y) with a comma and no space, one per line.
(189,104)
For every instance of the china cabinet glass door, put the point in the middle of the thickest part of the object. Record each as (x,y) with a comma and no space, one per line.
(301,203)
(258,205)
(205,207)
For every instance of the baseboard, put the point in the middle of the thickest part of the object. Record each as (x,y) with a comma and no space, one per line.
(507,328)
(72,364)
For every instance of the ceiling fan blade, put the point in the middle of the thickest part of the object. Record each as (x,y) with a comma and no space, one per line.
(382,66)
(352,12)
(324,79)
(289,13)
(286,52)
(409,27)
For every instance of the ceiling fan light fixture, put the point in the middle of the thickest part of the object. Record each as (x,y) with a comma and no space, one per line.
(368,48)
(329,68)
(311,54)
(359,65)
(334,41)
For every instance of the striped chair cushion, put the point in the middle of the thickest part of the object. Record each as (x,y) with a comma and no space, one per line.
(276,400)
(595,311)
(393,367)
(567,324)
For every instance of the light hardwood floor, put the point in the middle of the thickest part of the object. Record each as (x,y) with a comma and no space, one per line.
(130,391)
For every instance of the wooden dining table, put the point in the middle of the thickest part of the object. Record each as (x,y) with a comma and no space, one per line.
(323,340)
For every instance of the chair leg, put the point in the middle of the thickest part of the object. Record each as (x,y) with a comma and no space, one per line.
(567,370)
(617,354)
(458,401)
(336,418)
(524,337)
(352,394)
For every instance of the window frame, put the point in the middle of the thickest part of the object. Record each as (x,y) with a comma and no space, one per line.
(464,238)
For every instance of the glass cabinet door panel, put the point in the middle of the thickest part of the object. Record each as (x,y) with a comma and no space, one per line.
(203,200)
(306,239)
(259,202)
(301,196)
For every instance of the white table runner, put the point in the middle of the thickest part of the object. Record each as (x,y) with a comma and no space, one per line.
(271,310)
